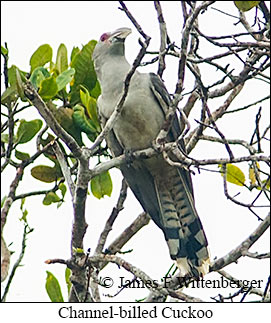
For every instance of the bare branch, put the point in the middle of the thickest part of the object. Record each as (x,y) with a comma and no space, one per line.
(142,220)
(146,279)
(256,255)
(163,38)
(133,20)
(248,105)
(193,138)
(64,167)
(181,71)
(79,225)
(184,160)
(17,264)
(240,283)
(14,185)
(109,223)
(5,259)
(238,252)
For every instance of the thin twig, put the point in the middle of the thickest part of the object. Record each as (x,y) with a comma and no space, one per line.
(64,168)
(110,221)
(237,252)
(17,264)
(163,38)
(249,105)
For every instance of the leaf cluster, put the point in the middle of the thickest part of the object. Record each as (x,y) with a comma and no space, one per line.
(70,89)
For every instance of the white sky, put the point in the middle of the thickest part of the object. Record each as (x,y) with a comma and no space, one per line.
(27,25)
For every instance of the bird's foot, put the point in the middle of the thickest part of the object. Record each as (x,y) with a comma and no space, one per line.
(158,146)
(129,157)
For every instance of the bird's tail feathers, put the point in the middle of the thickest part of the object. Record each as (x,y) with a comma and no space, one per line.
(181,224)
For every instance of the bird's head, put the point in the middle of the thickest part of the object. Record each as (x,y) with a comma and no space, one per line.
(111,43)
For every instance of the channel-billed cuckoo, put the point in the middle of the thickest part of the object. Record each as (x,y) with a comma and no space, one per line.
(164,191)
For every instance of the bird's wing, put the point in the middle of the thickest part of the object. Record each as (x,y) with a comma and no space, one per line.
(182,227)
(143,187)
(163,99)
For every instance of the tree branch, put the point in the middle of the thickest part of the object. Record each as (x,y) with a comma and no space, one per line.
(36,100)
(64,168)
(17,264)
(163,38)
(109,223)
(181,71)
(142,220)
(238,252)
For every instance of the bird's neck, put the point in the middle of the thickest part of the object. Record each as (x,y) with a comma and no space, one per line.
(112,73)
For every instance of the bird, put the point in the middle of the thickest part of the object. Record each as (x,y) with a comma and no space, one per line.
(164,191)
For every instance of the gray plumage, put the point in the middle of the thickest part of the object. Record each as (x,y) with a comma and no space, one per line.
(164,191)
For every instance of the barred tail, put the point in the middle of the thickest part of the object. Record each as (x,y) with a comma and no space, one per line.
(181,224)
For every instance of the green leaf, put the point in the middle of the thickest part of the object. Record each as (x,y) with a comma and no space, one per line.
(96,91)
(91,106)
(63,189)
(45,173)
(27,130)
(84,71)
(22,203)
(101,185)
(267,181)
(246,5)
(21,156)
(24,215)
(4,138)
(12,75)
(267,186)
(78,250)
(64,78)
(53,288)
(65,119)
(81,121)
(15,80)
(3,200)
(252,176)
(38,75)
(61,59)
(234,175)
(9,95)
(48,88)
(41,56)
(50,198)
(4,51)
(68,273)
(92,112)
(84,95)
(75,51)
(19,84)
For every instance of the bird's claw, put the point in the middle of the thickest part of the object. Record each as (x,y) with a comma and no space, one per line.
(129,157)
(158,145)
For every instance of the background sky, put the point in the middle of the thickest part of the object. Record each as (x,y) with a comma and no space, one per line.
(25,26)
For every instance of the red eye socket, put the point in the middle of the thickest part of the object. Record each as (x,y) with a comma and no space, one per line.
(104,37)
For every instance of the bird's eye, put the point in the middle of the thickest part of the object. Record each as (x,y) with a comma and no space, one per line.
(104,37)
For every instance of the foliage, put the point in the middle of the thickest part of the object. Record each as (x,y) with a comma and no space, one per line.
(53,288)
(76,87)
(246,5)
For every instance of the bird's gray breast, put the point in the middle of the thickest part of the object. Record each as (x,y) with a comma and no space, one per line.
(141,117)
